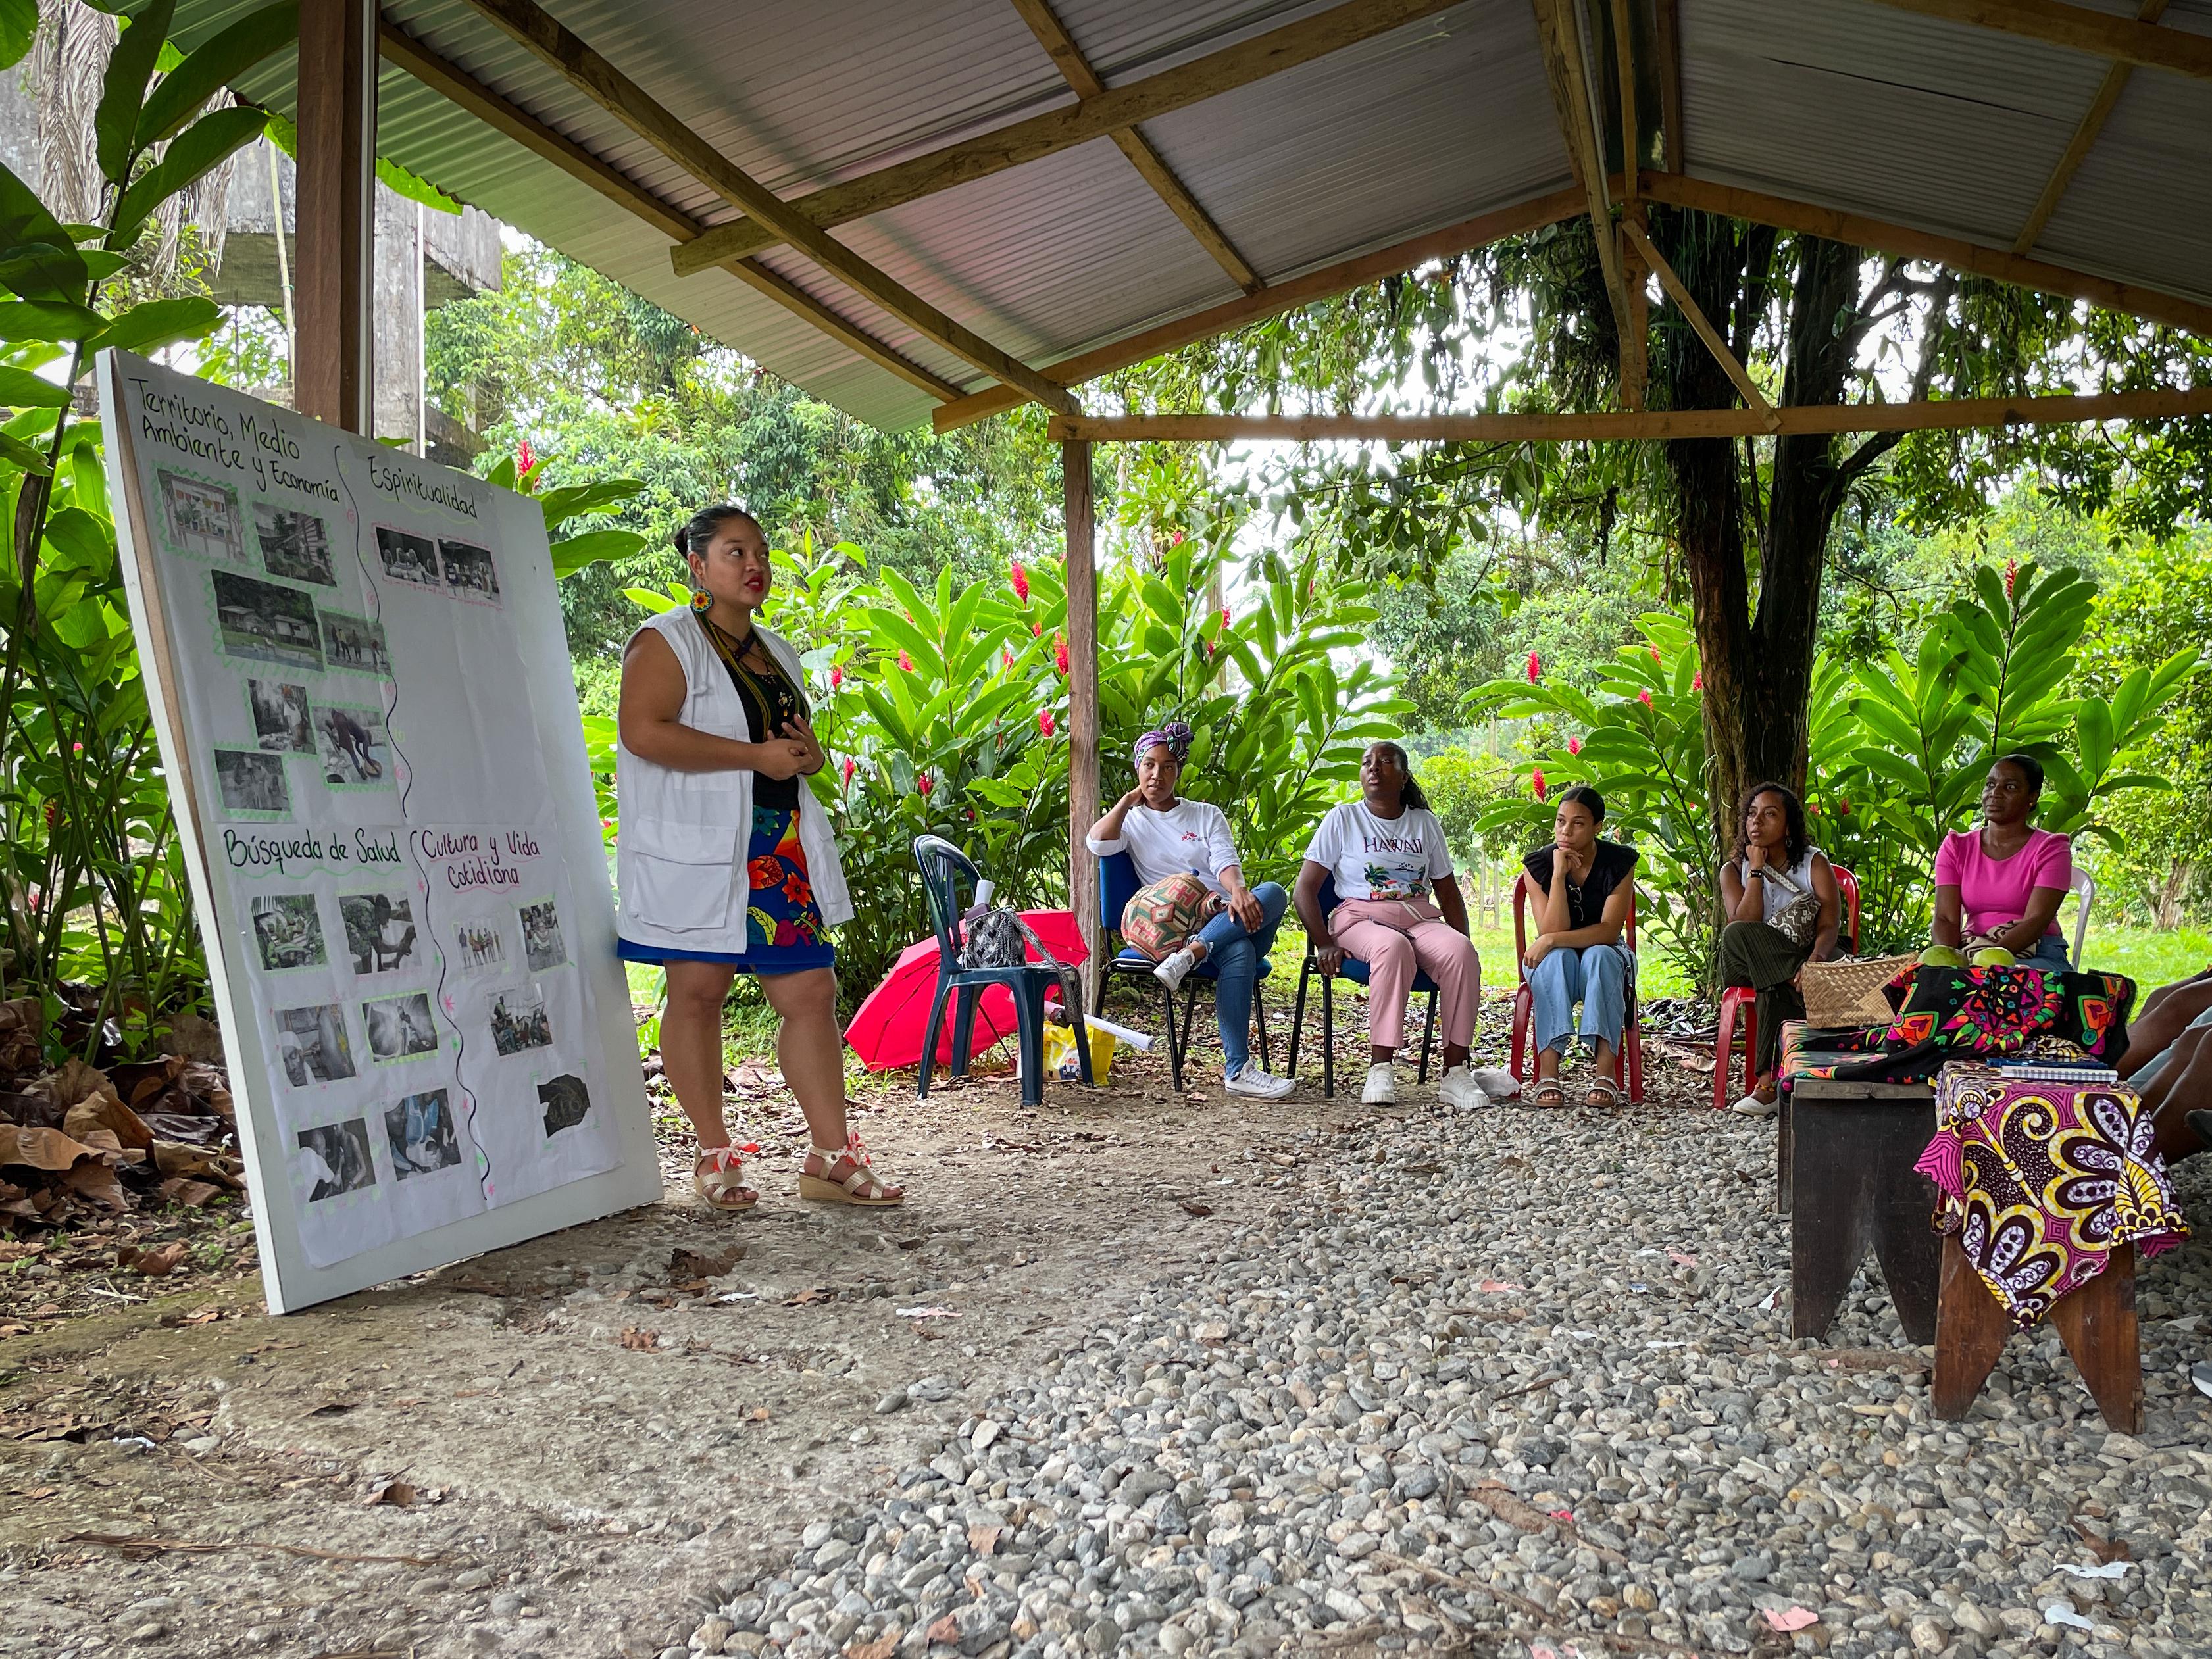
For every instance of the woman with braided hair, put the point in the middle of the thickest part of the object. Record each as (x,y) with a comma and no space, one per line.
(1166,836)
(725,860)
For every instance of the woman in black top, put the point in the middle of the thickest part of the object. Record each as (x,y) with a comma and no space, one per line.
(1580,889)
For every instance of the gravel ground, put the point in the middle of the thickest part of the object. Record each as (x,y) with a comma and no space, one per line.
(1519,1381)
(1217,1377)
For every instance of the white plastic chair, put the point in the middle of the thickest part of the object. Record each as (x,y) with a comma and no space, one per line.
(2085,886)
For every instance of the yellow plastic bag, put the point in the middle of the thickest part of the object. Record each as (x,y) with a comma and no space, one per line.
(1061,1059)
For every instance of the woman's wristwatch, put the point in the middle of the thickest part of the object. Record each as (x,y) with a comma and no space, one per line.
(1759,872)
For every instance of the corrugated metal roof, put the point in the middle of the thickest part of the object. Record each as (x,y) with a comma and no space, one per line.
(1843,103)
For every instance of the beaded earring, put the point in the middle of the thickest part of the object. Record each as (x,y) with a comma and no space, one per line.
(702,601)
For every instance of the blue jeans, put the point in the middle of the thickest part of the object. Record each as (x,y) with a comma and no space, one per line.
(1597,977)
(2158,1062)
(2049,951)
(1234,954)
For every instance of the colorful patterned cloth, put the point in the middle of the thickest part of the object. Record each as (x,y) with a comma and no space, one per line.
(784,930)
(2042,1181)
(1948,1013)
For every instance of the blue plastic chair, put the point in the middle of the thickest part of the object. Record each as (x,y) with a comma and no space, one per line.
(1357,972)
(1117,885)
(942,868)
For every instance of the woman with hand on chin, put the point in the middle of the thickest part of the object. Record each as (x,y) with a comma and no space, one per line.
(1166,836)
(1780,908)
(2002,885)
(1387,852)
(1581,890)
(726,861)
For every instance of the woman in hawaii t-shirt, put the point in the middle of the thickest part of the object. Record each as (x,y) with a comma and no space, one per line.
(1398,909)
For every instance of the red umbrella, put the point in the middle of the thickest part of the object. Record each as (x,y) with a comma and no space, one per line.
(887,1029)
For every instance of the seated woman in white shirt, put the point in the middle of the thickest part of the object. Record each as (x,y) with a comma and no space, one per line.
(1387,853)
(1166,836)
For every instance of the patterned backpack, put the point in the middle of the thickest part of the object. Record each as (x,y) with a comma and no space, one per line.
(1160,919)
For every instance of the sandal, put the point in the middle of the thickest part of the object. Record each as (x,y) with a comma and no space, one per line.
(719,1175)
(847,1177)
(1548,1092)
(1603,1091)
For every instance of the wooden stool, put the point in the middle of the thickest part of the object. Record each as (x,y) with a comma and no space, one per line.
(1851,1148)
(2096,1322)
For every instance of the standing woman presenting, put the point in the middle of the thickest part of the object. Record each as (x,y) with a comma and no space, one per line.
(725,858)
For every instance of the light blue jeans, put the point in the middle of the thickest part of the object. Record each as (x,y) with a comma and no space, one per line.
(1597,977)
(2158,1062)
(1234,954)
(2050,951)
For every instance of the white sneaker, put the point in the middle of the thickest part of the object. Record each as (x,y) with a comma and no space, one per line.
(1498,1083)
(1173,970)
(1381,1088)
(1260,1084)
(1461,1091)
(1753,1106)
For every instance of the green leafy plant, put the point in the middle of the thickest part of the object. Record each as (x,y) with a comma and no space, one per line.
(92,877)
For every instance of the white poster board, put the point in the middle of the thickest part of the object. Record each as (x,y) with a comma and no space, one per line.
(362,689)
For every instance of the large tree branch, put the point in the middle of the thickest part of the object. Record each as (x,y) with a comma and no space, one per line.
(1855,466)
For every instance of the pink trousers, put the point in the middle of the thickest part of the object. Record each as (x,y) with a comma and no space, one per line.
(1393,937)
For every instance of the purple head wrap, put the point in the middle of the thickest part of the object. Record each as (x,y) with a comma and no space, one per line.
(1175,737)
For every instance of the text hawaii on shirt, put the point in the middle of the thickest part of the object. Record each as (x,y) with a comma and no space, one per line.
(1399,858)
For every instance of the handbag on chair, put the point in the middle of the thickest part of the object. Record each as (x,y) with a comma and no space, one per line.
(1161,918)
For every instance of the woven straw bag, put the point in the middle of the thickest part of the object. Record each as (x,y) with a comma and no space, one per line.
(1848,992)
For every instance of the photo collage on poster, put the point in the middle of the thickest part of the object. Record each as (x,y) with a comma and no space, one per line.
(292,621)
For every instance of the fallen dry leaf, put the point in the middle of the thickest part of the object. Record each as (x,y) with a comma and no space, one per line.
(157,1263)
(1191,1207)
(882,1647)
(696,1264)
(946,1629)
(641,1342)
(2106,1550)
(397,1493)
(984,1539)
(807,1298)
(761,1414)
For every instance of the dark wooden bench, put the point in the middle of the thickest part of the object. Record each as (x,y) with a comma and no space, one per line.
(1846,1180)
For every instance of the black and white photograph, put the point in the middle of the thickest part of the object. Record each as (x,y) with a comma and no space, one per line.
(356,752)
(280,716)
(201,517)
(519,1022)
(566,1101)
(423,1134)
(269,624)
(253,783)
(294,544)
(478,944)
(336,1158)
(312,1045)
(542,944)
(469,571)
(399,1027)
(407,558)
(355,644)
(379,930)
(288,931)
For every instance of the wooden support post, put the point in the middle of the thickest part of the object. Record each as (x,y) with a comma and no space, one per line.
(1082,705)
(1635,324)
(331,375)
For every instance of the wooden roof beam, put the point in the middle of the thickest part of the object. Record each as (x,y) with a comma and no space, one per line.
(1277,298)
(2077,148)
(2123,39)
(607,86)
(1666,41)
(1753,398)
(1075,68)
(1959,414)
(466,91)
(1679,190)
(1559,38)
(1112,111)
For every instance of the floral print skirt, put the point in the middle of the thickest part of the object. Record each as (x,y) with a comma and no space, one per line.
(784,930)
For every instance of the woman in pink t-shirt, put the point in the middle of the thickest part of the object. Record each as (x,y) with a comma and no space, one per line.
(2002,885)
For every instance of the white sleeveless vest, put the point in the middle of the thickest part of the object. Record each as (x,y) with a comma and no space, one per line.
(683,838)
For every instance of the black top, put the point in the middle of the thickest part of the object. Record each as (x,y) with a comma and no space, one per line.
(1611,864)
(770,701)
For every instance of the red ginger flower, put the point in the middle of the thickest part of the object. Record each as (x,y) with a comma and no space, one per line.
(1645,696)
(2012,575)
(1697,681)
(922,785)
(1655,654)
(1535,667)
(523,460)
(1021,582)
(1060,654)
(1536,781)
(906,662)
(1574,745)
(1036,629)
(1224,616)
(1007,657)
(837,678)
(848,771)
(1045,722)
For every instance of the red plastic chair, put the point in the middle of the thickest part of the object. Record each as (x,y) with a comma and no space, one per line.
(1740,1003)
(1522,1060)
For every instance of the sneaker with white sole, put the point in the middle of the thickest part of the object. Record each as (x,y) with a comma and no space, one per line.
(1381,1088)
(1753,1106)
(1498,1083)
(1173,970)
(1461,1091)
(1260,1084)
